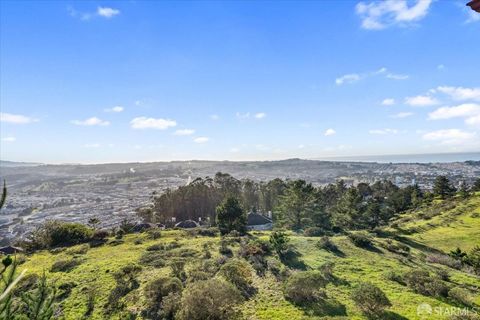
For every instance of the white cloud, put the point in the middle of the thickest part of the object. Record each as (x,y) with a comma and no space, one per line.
(383,131)
(388,102)
(243,115)
(92,145)
(463,110)
(355,77)
(421,101)
(401,115)
(107,12)
(329,132)
(455,137)
(152,123)
(115,109)
(16,118)
(460,93)
(9,139)
(93,121)
(348,78)
(472,16)
(260,115)
(379,15)
(201,140)
(441,67)
(184,132)
(469,111)
(397,76)
(215,117)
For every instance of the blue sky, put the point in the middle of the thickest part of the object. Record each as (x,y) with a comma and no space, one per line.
(91,82)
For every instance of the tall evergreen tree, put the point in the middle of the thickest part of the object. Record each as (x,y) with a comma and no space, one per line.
(442,187)
(230,216)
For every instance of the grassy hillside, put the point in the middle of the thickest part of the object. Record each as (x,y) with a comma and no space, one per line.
(441,227)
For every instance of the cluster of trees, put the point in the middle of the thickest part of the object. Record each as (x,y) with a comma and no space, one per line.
(297,204)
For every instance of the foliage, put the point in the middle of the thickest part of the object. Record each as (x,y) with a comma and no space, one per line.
(157,290)
(230,217)
(360,240)
(314,232)
(304,287)
(421,282)
(210,299)
(442,187)
(279,241)
(462,296)
(370,299)
(64,265)
(238,273)
(38,303)
(327,244)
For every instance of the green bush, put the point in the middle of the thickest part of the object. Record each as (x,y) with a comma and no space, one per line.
(361,240)
(279,241)
(157,290)
(211,299)
(304,287)
(421,282)
(326,244)
(238,272)
(65,265)
(370,299)
(314,232)
(57,233)
(461,296)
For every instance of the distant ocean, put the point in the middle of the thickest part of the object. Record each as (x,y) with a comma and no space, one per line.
(411,158)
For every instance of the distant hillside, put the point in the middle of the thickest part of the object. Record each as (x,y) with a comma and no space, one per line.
(12,164)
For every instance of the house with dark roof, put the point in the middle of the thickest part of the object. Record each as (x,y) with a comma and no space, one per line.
(10,250)
(187,224)
(256,221)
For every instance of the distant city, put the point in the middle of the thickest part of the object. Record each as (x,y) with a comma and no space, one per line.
(113,192)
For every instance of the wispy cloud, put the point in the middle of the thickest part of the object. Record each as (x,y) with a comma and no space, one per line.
(383,131)
(152,123)
(454,137)
(9,139)
(214,117)
(16,118)
(184,132)
(401,115)
(103,12)
(355,77)
(388,102)
(201,139)
(240,115)
(107,12)
(93,121)
(378,15)
(115,109)
(329,132)
(421,101)
(260,115)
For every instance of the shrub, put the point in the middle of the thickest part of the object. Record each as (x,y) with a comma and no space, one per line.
(211,299)
(443,274)
(314,232)
(58,233)
(279,241)
(461,296)
(304,287)
(238,273)
(158,289)
(370,299)
(137,242)
(360,240)
(100,234)
(154,259)
(444,260)
(154,234)
(395,276)
(208,232)
(126,281)
(421,282)
(326,244)
(198,275)
(224,249)
(178,268)
(64,265)
(79,249)
(327,270)
(398,248)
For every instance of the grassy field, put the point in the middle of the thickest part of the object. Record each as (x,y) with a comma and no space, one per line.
(439,228)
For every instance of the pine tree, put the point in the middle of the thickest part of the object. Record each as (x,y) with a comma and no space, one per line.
(442,187)
(230,216)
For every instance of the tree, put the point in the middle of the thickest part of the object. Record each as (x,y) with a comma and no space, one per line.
(230,216)
(347,213)
(279,241)
(464,192)
(442,187)
(297,203)
(476,185)
(93,222)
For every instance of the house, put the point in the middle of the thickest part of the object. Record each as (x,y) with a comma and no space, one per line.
(10,250)
(256,221)
(187,224)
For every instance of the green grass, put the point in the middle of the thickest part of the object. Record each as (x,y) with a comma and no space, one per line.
(453,226)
